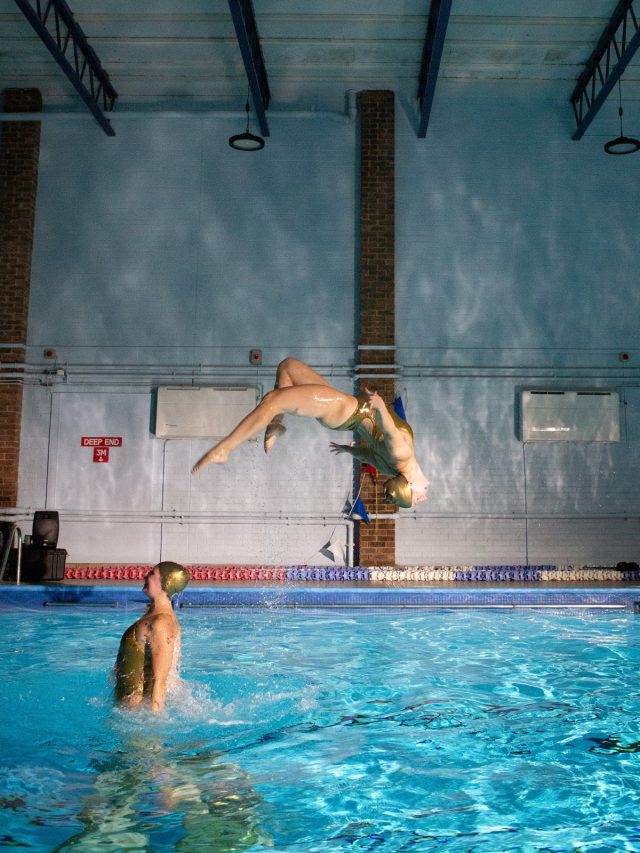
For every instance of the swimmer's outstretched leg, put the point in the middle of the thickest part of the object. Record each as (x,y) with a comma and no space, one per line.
(269,409)
(217,455)
(291,371)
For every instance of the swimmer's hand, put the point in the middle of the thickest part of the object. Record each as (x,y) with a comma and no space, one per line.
(341,448)
(375,399)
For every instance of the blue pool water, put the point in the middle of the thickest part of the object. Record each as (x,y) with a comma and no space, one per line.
(327,730)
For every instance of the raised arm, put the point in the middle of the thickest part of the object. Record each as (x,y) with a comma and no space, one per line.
(384,419)
(397,441)
(162,640)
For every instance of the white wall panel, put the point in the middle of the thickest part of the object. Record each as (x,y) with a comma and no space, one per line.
(34,447)
(568,415)
(271,544)
(96,541)
(194,411)
(466,541)
(130,480)
(593,542)
(465,441)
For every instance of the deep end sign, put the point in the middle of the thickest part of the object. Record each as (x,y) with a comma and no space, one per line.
(101,445)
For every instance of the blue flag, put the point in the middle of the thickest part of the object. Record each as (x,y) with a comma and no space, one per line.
(359,511)
(398,407)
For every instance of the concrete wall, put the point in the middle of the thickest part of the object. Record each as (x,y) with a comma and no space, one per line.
(517,268)
(164,256)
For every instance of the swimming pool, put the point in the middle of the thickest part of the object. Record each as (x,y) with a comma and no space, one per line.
(327,730)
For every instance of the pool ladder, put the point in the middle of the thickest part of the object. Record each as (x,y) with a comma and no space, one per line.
(15,533)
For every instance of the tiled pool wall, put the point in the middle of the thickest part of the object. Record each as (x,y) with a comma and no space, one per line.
(69,596)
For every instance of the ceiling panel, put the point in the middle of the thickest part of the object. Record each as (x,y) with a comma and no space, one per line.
(184,52)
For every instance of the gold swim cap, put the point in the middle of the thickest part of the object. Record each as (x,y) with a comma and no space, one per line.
(173,577)
(398,490)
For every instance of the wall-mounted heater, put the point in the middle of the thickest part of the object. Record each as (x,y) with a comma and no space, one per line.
(553,415)
(191,411)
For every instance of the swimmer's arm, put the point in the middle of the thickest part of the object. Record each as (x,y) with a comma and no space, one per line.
(161,640)
(395,439)
(384,419)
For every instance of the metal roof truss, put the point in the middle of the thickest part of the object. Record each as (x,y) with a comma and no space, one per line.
(53,21)
(605,66)
(244,22)
(431,55)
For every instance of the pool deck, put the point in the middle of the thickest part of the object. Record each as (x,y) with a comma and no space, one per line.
(198,597)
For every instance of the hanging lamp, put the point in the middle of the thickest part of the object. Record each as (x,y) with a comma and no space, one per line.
(621,144)
(246,141)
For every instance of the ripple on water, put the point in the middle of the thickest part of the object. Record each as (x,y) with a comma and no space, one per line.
(329,731)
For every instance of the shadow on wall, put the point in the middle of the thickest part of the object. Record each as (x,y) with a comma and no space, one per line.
(172,238)
(515,236)
(466,440)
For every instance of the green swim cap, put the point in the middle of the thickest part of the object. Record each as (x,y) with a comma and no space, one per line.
(399,491)
(173,577)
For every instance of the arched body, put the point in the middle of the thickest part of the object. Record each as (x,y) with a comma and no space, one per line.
(386,440)
(149,650)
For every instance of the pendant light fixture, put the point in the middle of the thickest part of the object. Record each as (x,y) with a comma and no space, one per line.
(621,144)
(246,141)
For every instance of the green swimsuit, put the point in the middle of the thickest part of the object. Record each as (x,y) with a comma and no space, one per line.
(129,669)
(365,412)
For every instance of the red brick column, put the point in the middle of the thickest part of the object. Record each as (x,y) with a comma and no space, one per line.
(19,157)
(376,542)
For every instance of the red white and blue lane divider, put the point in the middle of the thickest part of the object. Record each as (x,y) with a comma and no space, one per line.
(378,574)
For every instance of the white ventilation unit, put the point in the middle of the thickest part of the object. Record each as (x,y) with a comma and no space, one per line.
(570,415)
(189,411)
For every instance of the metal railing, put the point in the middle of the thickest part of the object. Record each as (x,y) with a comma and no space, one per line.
(15,533)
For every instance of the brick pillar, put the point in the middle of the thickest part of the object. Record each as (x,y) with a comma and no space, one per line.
(19,156)
(376,542)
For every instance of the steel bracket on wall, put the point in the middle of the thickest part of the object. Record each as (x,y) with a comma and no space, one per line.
(244,22)
(431,55)
(53,21)
(605,66)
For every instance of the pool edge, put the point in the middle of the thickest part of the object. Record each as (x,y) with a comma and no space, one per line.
(273,596)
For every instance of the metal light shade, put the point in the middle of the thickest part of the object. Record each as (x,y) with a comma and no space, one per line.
(622,145)
(246,142)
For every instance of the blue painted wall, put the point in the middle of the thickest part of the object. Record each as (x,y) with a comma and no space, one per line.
(517,268)
(164,256)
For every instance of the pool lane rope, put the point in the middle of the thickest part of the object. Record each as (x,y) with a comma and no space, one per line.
(381,574)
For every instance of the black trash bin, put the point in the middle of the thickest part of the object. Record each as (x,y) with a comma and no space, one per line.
(42,564)
(42,560)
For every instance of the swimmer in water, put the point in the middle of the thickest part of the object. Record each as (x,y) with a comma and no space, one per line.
(150,648)
(386,440)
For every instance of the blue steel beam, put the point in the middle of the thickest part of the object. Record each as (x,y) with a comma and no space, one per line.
(244,22)
(431,55)
(615,49)
(53,21)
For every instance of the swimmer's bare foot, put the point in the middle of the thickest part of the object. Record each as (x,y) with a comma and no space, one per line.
(274,430)
(217,455)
